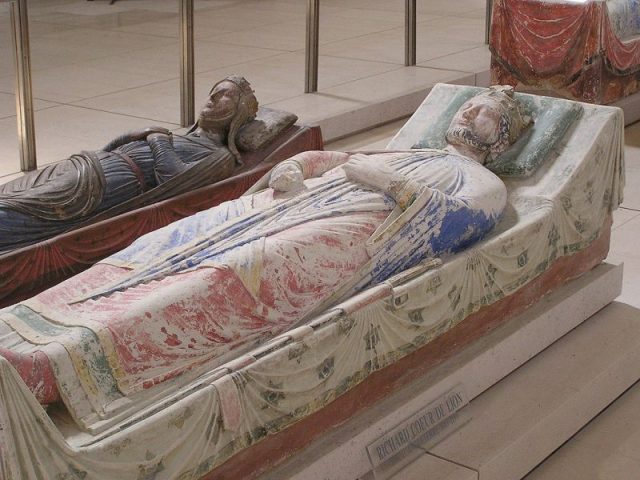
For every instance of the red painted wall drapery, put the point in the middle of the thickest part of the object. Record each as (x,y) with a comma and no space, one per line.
(567,47)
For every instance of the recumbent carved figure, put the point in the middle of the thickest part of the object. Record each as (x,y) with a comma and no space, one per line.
(133,170)
(201,289)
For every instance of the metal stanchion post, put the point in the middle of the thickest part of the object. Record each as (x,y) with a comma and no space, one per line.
(410,33)
(311,51)
(24,95)
(187,69)
(487,28)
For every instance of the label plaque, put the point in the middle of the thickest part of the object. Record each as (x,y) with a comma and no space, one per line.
(432,421)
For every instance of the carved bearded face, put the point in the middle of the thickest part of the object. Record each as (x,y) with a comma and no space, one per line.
(220,107)
(489,122)
(476,124)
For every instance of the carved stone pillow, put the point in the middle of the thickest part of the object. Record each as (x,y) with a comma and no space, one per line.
(552,118)
(261,131)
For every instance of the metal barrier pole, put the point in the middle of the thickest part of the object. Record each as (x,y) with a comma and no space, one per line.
(187,69)
(487,28)
(24,95)
(311,50)
(410,33)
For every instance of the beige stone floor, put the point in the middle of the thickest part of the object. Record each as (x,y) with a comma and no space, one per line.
(100,69)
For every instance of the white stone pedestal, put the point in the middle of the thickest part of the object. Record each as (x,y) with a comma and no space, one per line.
(517,422)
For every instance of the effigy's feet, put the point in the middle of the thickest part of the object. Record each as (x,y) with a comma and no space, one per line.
(36,372)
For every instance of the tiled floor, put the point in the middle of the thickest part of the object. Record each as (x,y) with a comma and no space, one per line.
(626,228)
(608,448)
(99,70)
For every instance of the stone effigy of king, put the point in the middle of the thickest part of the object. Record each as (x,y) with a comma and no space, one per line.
(204,289)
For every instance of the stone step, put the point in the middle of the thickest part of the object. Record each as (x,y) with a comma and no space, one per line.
(525,417)
(607,448)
